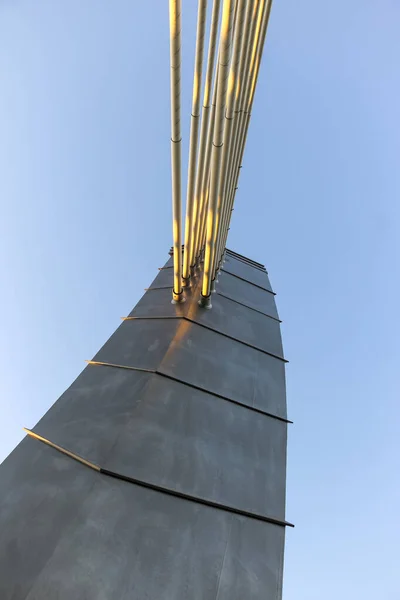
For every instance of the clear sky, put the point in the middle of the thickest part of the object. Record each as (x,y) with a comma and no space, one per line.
(86,220)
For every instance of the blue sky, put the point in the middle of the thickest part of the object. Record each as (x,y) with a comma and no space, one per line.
(86,213)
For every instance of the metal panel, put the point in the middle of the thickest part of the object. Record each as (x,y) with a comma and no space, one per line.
(264,579)
(90,414)
(226,316)
(246,293)
(182,350)
(41,491)
(139,343)
(230,369)
(157,303)
(165,277)
(251,274)
(240,322)
(68,531)
(169,263)
(200,445)
(245,259)
(132,543)
(145,426)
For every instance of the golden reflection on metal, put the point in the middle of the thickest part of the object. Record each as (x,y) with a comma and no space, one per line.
(106,364)
(61,449)
(256,35)
(217,144)
(190,226)
(202,169)
(182,332)
(175,81)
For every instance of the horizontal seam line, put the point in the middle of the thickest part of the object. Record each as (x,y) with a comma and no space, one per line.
(100,363)
(247,306)
(158,488)
(245,258)
(197,499)
(244,262)
(197,387)
(169,287)
(218,331)
(225,270)
(140,317)
(248,281)
(192,385)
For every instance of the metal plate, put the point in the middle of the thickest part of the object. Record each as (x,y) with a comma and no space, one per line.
(220,365)
(251,274)
(245,259)
(90,414)
(148,427)
(229,317)
(169,263)
(68,531)
(200,357)
(41,491)
(241,323)
(131,543)
(200,445)
(164,278)
(139,343)
(157,303)
(247,294)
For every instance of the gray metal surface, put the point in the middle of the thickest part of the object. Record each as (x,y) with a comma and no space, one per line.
(230,369)
(233,287)
(251,274)
(147,427)
(169,263)
(90,415)
(68,531)
(226,316)
(130,543)
(181,349)
(245,259)
(139,343)
(164,277)
(247,294)
(157,303)
(40,493)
